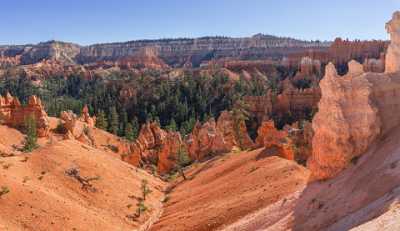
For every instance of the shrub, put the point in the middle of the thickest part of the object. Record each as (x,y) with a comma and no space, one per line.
(145,189)
(4,190)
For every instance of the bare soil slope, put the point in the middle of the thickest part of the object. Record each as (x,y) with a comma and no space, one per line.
(366,194)
(42,196)
(222,190)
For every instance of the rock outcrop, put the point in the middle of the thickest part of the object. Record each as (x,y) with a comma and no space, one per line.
(298,103)
(276,142)
(347,121)
(156,146)
(85,117)
(375,65)
(393,53)
(205,141)
(214,138)
(234,131)
(79,128)
(355,110)
(13,114)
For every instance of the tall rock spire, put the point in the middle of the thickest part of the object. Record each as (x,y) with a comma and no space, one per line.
(393,52)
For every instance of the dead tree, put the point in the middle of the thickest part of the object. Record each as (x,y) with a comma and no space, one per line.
(85,182)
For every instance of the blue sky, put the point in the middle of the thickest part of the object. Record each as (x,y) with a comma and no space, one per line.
(94,21)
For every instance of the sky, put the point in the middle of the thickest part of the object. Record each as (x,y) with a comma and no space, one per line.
(96,21)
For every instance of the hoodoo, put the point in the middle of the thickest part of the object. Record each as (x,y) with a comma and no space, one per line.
(355,110)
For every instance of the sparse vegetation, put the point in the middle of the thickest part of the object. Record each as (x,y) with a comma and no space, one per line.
(4,190)
(145,189)
(183,161)
(84,181)
(141,207)
(30,142)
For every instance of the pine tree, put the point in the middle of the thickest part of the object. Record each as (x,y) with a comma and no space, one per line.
(31,135)
(183,161)
(129,133)
(101,120)
(124,122)
(172,125)
(114,121)
(135,127)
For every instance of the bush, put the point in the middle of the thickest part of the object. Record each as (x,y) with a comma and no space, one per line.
(4,190)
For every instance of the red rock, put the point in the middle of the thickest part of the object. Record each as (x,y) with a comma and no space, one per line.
(13,114)
(291,101)
(213,138)
(206,141)
(279,141)
(393,52)
(85,117)
(234,132)
(346,123)
(156,146)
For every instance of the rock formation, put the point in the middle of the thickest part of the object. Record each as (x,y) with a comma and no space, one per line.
(346,123)
(234,132)
(157,147)
(375,65)
(393,53)
(309,66)
(297,103)
(205,141)
(276,142)
(222,136)
(79,128)
(13,114)
(174,52)
(85,117)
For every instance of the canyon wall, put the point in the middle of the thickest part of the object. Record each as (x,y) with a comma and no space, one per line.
(174,52)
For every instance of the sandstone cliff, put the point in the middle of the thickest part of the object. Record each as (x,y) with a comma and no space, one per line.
(174,52)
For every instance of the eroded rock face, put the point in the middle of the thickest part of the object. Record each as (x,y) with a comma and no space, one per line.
(156,146)
(347,121)
(79,128)
(85,117)
(393,52)
(206,140)
(276,142)
(375,65)
(234,132)
(13,114)
(222,136)
(297,102)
